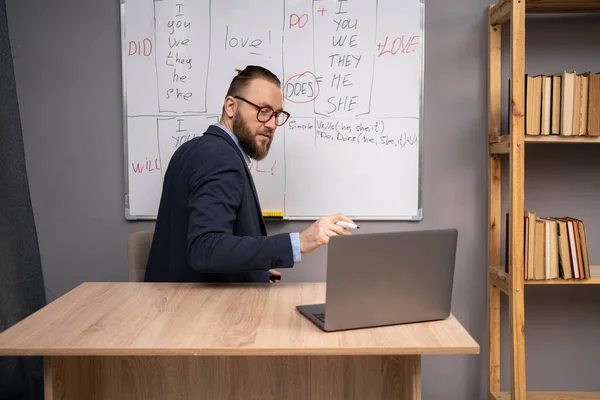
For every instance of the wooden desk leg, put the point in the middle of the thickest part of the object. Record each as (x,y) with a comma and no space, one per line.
(48,381)
(232,378)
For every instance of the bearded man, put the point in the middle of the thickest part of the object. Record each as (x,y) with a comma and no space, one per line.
(209,226)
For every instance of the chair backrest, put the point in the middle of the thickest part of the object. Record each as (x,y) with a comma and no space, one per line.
(138,250)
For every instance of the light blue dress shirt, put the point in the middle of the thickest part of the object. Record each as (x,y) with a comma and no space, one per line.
(294,236)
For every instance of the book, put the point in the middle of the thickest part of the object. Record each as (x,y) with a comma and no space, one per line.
(556,96)
(564,103)
(546,105)
(593,120)
(533,104)
(554,248)
(567,101)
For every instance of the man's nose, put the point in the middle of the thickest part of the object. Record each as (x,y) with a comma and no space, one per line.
(271,123)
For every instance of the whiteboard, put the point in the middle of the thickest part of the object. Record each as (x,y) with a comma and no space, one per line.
(352,80)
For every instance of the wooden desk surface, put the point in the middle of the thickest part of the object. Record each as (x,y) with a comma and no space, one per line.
(205,319)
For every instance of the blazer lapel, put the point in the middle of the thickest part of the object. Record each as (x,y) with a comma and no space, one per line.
(262,221)
(215,130)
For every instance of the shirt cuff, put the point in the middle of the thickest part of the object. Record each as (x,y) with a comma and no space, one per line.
(295,238)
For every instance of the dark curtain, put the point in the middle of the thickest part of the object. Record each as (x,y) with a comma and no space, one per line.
(21,281)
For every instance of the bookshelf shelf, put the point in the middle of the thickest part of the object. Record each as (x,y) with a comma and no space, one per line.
(502,11)
(501,144)
(500,279)
(514,147)
(550,396)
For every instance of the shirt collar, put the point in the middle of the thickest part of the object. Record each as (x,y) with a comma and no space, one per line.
(237,142)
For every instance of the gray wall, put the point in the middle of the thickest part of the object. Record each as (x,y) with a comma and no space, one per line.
(67,62)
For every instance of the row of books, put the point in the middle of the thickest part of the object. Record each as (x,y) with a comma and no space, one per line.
(555,248)
(565,103)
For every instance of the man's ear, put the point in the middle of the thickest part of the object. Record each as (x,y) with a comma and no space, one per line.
(230,106)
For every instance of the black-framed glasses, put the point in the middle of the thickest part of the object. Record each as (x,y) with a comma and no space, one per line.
(264,114)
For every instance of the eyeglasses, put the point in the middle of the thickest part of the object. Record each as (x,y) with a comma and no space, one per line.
(265,114)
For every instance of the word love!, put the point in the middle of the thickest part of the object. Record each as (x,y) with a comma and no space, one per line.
(401,44)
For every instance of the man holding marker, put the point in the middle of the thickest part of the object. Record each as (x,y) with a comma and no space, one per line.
(209,226)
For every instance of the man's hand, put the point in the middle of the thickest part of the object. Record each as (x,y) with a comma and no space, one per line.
(321,230)
(274,275)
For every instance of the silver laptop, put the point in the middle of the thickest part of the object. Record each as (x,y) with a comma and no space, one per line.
(379,279)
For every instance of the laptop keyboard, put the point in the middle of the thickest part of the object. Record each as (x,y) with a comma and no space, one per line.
(320,317)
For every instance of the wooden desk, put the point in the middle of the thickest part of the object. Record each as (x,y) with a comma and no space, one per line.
(201,341)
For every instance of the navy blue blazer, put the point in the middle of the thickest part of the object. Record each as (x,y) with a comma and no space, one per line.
(209,226)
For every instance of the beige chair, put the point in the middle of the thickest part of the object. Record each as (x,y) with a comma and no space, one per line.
(138,249)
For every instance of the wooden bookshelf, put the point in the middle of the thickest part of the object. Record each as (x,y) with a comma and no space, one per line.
(503,9)
(551,396)
(514,147)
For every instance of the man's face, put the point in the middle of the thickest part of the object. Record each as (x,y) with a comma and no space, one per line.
(256,137)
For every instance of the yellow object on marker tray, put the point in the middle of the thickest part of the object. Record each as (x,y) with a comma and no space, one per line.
(273,214)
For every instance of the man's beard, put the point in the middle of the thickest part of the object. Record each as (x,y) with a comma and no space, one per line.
(248,141)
